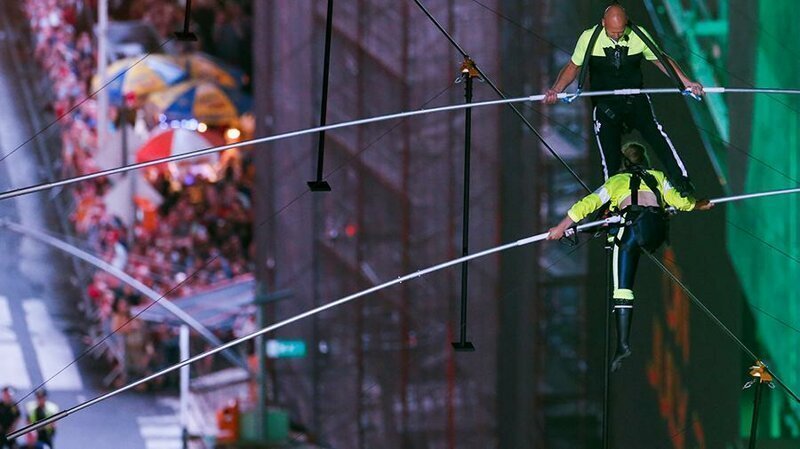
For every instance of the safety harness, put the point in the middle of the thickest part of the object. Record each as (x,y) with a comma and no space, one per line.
(649,224)
(639,174)
(662,58)
(587,56)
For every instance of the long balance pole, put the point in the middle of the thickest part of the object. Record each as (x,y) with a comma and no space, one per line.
(418,274)
(206,151)
(748,196)
(317,310)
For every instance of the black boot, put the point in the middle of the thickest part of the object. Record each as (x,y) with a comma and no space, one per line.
(624,317)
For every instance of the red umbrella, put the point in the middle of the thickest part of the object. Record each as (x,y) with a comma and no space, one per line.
(177,141)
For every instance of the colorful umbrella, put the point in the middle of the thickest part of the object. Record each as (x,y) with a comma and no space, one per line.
(204,66)
(204,101)
(140,76)
(176,141)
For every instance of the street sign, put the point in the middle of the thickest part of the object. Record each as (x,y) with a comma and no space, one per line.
(280,349)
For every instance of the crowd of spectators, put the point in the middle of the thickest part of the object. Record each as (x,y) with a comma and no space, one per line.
(202,231)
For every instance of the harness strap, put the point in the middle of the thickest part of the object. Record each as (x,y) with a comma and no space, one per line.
(587,55)
(638,175)
(651,183)
(635,181)
(662,57)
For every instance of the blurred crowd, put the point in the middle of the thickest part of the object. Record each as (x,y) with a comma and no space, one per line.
(201,233)
(64,49)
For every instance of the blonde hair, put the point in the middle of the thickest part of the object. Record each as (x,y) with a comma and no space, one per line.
(634,153)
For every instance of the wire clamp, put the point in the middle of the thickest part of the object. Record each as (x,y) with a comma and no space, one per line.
(760,373)
(570,98)
(689,93)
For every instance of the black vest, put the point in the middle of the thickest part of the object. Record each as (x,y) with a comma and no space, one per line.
(616,70)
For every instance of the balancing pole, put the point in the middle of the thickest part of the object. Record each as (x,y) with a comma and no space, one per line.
(301,316)
(358,122)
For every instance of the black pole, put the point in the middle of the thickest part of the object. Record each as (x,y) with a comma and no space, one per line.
(761,375)
(468,72)
(502,95)
(756,405)
(607,352)
(320,185)
(186,35)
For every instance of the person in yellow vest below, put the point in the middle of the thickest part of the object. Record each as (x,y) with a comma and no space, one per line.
(38,410)
(641,195)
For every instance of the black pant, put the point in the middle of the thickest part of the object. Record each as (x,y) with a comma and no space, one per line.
(614,116)
(647,232)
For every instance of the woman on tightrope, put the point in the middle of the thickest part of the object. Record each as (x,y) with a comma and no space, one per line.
(641,195)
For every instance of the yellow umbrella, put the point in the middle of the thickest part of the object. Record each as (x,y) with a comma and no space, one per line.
(204,66)
(140,76)
(204,101)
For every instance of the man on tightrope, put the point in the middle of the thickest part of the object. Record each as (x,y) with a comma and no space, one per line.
(615,51)
(641,195)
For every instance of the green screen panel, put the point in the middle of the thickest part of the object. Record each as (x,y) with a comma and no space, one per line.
(763,235)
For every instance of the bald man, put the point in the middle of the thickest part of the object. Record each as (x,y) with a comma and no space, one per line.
(615,63)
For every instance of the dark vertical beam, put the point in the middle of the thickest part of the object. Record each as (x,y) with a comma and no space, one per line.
(754,423)
(361,244)
(518,278)
(361,434)
(316,298)
(360,375)
(452,367)
(264,209)
(318,216)
(319,184)
(468,73)
(741,69)
(186,35)
(361,368)
(406,306)
(451,371)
